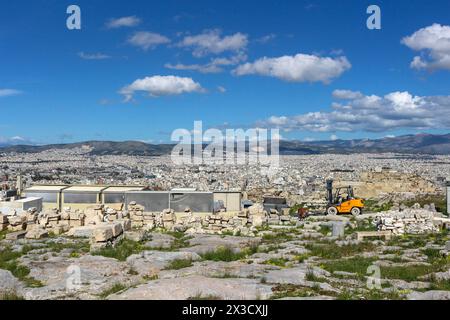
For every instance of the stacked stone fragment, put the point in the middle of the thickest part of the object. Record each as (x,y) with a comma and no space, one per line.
(409,220)
(3,222)
(136,213)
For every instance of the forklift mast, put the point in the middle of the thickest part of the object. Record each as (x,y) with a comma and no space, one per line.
(330,191)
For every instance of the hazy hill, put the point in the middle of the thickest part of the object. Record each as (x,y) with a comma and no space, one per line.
(420,143)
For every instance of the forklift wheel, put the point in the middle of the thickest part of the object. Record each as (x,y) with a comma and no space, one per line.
(332,211)
(356,211)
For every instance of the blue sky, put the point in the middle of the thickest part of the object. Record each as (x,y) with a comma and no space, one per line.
(110,80)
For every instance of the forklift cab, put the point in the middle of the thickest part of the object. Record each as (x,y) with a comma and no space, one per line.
(343,194)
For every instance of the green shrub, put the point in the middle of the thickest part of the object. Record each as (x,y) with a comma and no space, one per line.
(375,294)
(310,276)
(122,250)
(3,234)
(333,251)
(361,226)
(325,230)
(79,246)
(439,284)
(356,265)
(114,289)
(432,254)
(279,262)
(346,295)
(410,273)
(302,257)
(74,255)
(371,205)
(270,248)
(132,272)
(150,278)
(292,290)
(179,264)
(277,237)
(180,241)
(10,296)
(8,261)
(224,254)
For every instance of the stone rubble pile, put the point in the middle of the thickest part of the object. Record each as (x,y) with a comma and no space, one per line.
(221,223)
(32,216)
(36,232)
(94,214)
(412,220)
(244,222)
(17,222)
(112,214)
(136,213)
(76,218)
(103,234)
(53,221)
(149,220)
(106,234)
(257,215)
(167,219)
(3,222)
(104,225)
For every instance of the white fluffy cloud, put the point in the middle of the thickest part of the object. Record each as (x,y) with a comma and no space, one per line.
(147,40)
(161,86)
(9,92)
(93,56)
(203,68)
(211,42)
(214,66)
(221,89)
(298,68)
(346,94)
(434,44)
(14,140)
(266,38)
(358,112)
(130,21)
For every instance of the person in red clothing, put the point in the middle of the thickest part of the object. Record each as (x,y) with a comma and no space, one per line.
(302,213)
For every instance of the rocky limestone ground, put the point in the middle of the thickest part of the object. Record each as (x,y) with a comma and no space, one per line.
(302,261)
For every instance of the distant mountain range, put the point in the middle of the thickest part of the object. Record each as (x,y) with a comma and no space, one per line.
(412,144)
(408,144)
(99,148)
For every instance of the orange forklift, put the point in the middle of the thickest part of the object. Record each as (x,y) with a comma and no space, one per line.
(342,200)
